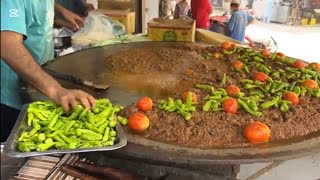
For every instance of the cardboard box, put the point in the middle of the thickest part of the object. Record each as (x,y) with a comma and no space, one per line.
(126,17)
(117,4)
(172,30)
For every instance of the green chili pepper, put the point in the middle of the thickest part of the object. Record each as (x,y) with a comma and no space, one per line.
(90,117)
(69,125)
(215,97)
(112,133)
(48,140)
(103,126)
(53,121)
(59,145)
(43,123)
(123,120)
(112,123)
(23,136)
(83,113)
(33,132)
(108,143)
(316,93)
(269,104)
(247,81)
(276,74)
(247,109)
(57,126)
(250,86)
(85,145)
(296,90)
(106,134)
(24,147)
(30,118)
(246,69)
(35,124)
(38,137)
(303,91)
(224,79)
(186,115)
(280,87)
(227,52)
(91,127)
(203,86)
(91,138)
(206,106)
(65,138)
(45,146)
(39,115)
(258,59)
(284,107)
(170,103)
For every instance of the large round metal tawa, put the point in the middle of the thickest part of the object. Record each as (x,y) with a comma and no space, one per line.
(90,64)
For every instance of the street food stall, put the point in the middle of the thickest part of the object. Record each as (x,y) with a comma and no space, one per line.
(189,104)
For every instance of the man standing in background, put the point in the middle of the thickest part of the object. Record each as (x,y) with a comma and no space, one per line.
(182,9)
(201,10)
(238,22)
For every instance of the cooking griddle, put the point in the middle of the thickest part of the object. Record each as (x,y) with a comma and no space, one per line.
(90,64)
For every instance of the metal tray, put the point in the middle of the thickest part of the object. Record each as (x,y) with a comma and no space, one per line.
(11,145)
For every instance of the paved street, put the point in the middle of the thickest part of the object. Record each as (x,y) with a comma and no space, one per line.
(298,42)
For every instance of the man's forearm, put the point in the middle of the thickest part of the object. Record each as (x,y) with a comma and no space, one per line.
(59,8)
(14,53)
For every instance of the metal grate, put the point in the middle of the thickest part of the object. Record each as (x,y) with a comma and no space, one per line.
(47,167)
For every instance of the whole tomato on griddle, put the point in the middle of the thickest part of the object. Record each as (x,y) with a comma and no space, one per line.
(299,64)
(233,90)
(315,66)
(291,96)
(145,104)
(138,122)
(257,132)
(260,76)
(230,106)
(310,84)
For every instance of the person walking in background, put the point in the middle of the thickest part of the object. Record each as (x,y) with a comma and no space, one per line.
(182,9)
(201,10)
(238,22)
(268,11)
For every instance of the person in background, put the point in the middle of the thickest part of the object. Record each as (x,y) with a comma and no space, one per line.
(27,43)
(182,9)
(166,9)
(268,11)
(201,10)
(238,22)
(79,7)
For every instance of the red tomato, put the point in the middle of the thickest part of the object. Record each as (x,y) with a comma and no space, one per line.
(256,133)
(185,96)
(299,64)
(291,96)
(230,106)
(315,66)
(260,76)
(232,90)
(226,45)
(310,84)
(266,53)
(145,104)
(280,54)
(138,122)
(238,65)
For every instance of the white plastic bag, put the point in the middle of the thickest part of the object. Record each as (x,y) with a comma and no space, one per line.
(98,27)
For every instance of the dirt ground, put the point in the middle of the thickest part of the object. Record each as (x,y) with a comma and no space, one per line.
(295,41)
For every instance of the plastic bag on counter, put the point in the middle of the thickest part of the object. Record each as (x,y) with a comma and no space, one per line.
(97,27)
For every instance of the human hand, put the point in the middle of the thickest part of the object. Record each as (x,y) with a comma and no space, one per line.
(66,97)
(76,21)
